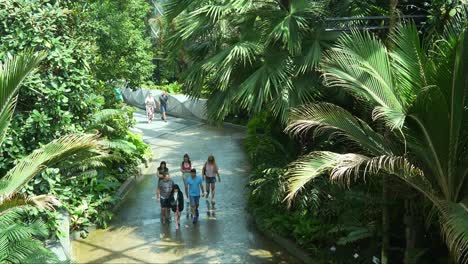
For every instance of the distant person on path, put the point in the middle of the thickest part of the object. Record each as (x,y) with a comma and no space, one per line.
(195,183)
(119,94)
(185,168)
(177,203)
(210,171)
(150,106)
(162,171)
(164,194)
(163,105)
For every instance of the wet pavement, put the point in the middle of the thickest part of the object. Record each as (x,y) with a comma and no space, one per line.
(224,234)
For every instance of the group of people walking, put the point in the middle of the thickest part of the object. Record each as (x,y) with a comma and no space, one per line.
(171,196)
(150,103)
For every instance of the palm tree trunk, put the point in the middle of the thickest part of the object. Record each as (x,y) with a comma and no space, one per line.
(385,198)
(410,230)
(385,221)
(393,15)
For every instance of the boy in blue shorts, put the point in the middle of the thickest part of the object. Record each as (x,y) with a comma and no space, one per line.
(195,183)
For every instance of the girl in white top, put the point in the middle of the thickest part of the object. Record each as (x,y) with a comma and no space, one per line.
(150,106)
(210,171)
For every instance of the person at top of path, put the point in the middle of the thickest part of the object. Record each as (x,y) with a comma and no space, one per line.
(162,171)
(163,195)
(163,98)
(176,200)
(185,168)
(210,171)
(150,106)
(195,183)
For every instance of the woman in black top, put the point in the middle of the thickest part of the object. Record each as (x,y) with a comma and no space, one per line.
(176,199)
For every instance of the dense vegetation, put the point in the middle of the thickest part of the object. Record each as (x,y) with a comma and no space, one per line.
(357,139)
(84,47)
(357,131)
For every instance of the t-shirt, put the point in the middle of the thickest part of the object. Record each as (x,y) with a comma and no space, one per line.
(165,188)
(163,100)
(194,185)
(211,170)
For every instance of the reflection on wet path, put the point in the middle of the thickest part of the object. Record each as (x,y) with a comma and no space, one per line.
(224,234)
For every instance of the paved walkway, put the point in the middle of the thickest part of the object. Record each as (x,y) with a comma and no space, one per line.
(226,236)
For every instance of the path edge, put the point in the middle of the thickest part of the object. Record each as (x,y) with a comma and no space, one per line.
(286,243)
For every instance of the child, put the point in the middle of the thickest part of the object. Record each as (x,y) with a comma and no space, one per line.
(177,203)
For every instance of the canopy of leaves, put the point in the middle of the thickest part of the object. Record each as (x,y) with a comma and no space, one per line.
(122,38)
(59,98)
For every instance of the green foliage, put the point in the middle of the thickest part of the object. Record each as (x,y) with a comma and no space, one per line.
(19,241)
(266,144)
(124,49)
(62,90)
(172,88)
(238,49)
(18,238)
(64,96)
(411,91)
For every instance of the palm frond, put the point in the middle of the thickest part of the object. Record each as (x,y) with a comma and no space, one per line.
(309,167)
(18,241)
(50,154)
(12,72)
(326,117)
(173,8)
(19,202)
(314,48)
(240,54)
(267,82)
(410,64)
(119,144)
(362,166)
(360,63)
(292,23)
(454,220)
(106,114)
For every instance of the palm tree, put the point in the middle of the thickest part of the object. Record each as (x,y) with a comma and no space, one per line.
(18,240)
(419,95)
(254,55)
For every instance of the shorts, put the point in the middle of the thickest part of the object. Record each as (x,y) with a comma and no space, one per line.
(210,179)
(165,203)
(194,200)
(185,175)
(163,108)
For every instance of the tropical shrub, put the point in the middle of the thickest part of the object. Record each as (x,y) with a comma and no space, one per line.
(59,98)
(64,96)
(121,34)
(418,98)
(172,88)
(18,239)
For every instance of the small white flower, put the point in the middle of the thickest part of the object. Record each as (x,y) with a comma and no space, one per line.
(375,260)
(356,255)
(333,249)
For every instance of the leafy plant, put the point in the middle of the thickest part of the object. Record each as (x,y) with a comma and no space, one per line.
(60,96)
(123,42)
(18,241)
(409,90)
